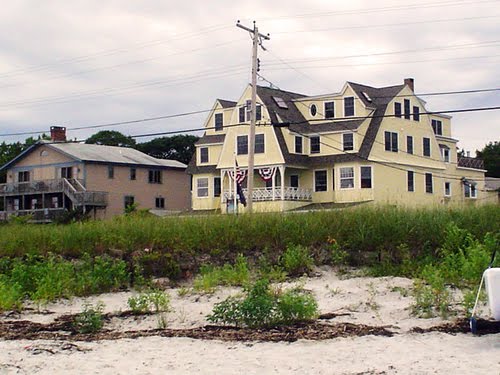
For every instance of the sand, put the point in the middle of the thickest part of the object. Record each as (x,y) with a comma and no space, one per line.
(360,300)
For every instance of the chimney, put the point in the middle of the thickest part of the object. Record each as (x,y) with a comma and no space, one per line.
(410,82)
(58,134)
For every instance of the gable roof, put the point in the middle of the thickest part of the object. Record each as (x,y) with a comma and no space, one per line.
(226,103)
(101,154)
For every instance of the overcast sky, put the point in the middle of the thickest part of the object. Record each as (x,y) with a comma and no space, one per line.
(87,62)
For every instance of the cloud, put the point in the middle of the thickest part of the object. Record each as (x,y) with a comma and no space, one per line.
(92,62)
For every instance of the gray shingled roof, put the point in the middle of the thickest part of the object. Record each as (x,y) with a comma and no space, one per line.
(110,154)
(226,103)
(209,139)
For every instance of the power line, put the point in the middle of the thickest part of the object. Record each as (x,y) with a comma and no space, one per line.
(114,51)
(372,26)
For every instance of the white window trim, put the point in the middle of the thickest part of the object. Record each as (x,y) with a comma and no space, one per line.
(314,178)
(215,121)
(470,190)
(295,144)
(414,174)
(443,150)
(371,176)
(310,151)
(353,142)
(345,178)
(324,109)
(264,136)
(425,182)
(208,155)
(444,187)
(198,187)
(353,106)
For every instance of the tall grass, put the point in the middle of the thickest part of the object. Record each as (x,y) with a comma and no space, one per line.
(365,233)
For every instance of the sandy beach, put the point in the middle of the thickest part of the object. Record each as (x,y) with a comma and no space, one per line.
(375,302)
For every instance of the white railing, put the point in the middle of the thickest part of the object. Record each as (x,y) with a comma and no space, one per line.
(268,194)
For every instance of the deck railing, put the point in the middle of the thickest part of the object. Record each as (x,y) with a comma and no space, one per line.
(268,194)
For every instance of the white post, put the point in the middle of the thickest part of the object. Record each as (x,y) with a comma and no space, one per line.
(282,173)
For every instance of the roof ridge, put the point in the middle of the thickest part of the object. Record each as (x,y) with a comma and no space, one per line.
(280,90)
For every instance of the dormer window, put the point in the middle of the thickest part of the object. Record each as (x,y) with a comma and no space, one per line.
(329,109)
(348,141)
(397,109)
(437,126)
(245,112)
(313,110)
(219,121)
(204,155)
(349,106)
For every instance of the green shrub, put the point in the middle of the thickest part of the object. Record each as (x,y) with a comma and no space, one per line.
(210,277)
(150,301)
(263,307)
(297,260)
(90,320)
(432,297)
(11,296)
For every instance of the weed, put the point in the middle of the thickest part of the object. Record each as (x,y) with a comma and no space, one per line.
(183,291)
(263,307)
(161,321)
(432,298)
(338,256)
(11,296)
(211,277)
(372,293)
(296,260)
(150,301)
(91,319)
(404,292)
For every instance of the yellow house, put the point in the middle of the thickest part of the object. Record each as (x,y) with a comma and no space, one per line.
(50,178)
(362,144)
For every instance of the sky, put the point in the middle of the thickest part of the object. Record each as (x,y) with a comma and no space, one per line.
(86,63)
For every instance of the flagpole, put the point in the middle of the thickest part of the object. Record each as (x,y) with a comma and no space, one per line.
(235,203)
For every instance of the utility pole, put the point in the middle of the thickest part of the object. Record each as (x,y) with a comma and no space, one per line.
(257,41)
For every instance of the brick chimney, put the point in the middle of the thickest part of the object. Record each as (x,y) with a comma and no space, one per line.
(410,82)
(58,134)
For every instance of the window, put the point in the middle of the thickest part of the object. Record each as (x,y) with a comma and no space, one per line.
(246,112)
(160,203)
(242,146)
(470,190)
(416,113)
(445,152)
(437,126)
(391,141)
(133,173)
(204,155)
(397,109)
(428,183)
(409,144)
(411,180)
(329,110)
(128,201)
(280,102)
(259,144)
(219,121)
(217,187)
(348,141)
(66,172)
(294,181)
(447,189)
(258,112)
(315,144)
(427,146)
(111,171)
(333,179)
(347,178)
(298,144)
(202,187)
(320,181)
(349,106)
(366,177)
(407,108)
(314,110)
(242,114)
(55,202)
(23,176)
(154,176)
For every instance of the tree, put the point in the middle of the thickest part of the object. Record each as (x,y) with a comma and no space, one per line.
(111,138)
(177,147)
(491,156)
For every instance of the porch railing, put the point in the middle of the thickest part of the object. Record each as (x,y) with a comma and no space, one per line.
(42,215)
(268,194)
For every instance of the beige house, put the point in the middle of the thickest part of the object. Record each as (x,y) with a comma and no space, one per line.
(52,177)
(360,145)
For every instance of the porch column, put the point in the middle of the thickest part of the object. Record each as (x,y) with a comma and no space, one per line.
(282,173)
(273,186)
(222,175)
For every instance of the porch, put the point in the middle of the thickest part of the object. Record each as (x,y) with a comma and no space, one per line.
(47,199)
(287,193)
